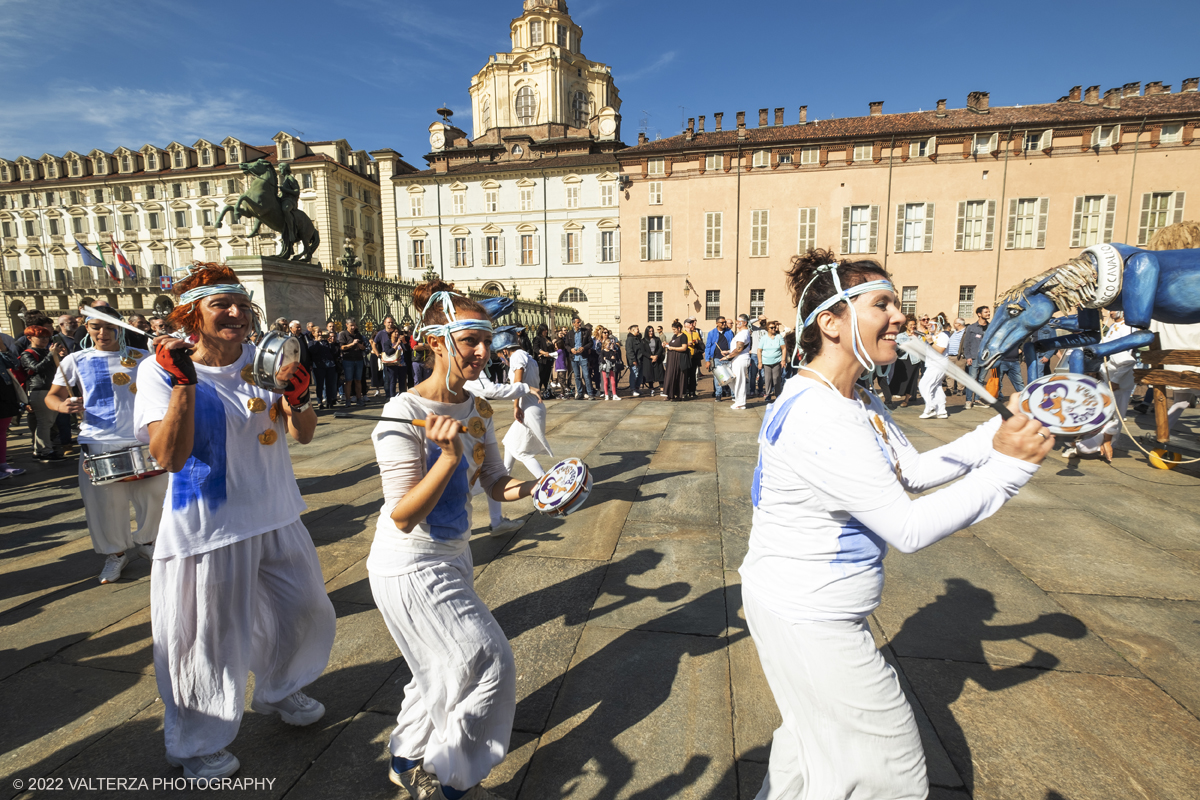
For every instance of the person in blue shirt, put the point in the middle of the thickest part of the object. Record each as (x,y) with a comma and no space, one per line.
(716,347)
(579,345)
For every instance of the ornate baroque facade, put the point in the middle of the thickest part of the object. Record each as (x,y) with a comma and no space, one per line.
(529,203)
(160,204)
(957,203)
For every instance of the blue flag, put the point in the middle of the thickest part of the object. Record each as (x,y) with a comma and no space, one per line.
(90,260)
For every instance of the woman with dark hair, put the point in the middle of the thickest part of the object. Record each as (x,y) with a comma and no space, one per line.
(544,351)
(236,585)
(907,374)
(830,495)
(677,360)
(40,362)
(456,719)
(652,361)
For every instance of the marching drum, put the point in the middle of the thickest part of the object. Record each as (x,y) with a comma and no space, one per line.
(564,489)
(275,354)
(1070,404)
(723,373)
(131,464)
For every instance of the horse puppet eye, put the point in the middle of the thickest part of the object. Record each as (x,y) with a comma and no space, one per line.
(1014,311)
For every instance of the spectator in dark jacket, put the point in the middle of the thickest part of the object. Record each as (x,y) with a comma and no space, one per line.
(579,346)
(971,341)
(635,350)
(40,362)
(324,366)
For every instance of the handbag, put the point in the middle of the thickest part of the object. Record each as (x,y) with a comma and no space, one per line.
(993,382)
(391,360)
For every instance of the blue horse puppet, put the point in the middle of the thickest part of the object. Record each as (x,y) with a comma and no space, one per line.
(1147,285)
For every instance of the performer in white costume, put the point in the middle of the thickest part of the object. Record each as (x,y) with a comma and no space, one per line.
(1117,370)
(930,386)
(104,374)
(456,719)
(236,585)
(740,356)
(829,496)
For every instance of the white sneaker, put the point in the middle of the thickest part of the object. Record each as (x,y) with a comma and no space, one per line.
(146,551)
(113,566)
(927,414)
(1070,452)
(220,764)
(295,709)
(943,415)
(969,404)
(508,526)
(637,394)
(615,397)
(737,408)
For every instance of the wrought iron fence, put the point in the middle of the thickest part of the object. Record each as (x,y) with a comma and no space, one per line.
(370,299)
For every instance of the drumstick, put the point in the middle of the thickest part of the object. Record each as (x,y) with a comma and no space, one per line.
(918,347)
(420,423)
(91,313)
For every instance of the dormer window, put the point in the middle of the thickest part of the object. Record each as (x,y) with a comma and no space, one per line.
(178,159)
(233,154)
(25,172)
(535,33)
(205,156)
(50,170)
(151,161)
(124,163)
(285,149)
(3,173)
(74,169)
(100,167)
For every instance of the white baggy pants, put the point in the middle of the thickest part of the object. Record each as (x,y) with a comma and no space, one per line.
(256,605)
(931,389)
(107,508)
(495,514)
(458,709)
(741,375)
(848,731)
(1113,428)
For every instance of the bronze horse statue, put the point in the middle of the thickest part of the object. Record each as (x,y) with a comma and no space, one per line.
(263,203)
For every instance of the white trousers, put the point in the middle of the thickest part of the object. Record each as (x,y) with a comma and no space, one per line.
(458,709)
(1113,428)
(107,508)
(741,372)
(495,514)
(931,389)
(848,731)
(255,605)
(1181,399)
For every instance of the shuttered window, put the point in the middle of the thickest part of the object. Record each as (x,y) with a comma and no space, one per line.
(760,233)
(463,252)
(1093,219)
(459,202)
(609,247)
(713,234)
(654,306)
(1159,209)
(1027,217)
(494,248)
(712,304)
(914,227)
(810,155)
(655,193)
(762,158)
(806,238)
(976,227)
(966,301)
(925,147)
(908,300)
(531,246)
(860,229)
(655,238)
(714,161)
(571,248)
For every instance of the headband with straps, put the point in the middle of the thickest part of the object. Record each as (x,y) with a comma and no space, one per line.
(838,296)
(451,325)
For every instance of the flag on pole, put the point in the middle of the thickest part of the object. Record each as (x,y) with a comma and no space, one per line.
(122,262)
(90,260)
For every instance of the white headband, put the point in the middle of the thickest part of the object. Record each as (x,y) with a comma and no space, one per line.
(839,294)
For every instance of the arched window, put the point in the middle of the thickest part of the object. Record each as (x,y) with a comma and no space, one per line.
(285,149)
(233,154)
(50,170)
(485,112)
(572,295)
(526,106)
(492,286)
(151,161)
(75,168)
(580,105)
(178,158)
(124,163)
(205,156)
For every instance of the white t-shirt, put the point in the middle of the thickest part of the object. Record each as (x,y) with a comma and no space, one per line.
(519,359)
(938,360)
(108,394)
(827,500)
(405,456)
(741,337)
(238,482)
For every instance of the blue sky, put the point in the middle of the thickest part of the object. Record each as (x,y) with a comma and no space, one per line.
(79,75)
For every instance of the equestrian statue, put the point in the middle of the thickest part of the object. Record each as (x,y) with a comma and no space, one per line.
(272,199)
(1147,285)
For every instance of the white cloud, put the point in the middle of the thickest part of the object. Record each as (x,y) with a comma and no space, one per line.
(636,75)
(82,117)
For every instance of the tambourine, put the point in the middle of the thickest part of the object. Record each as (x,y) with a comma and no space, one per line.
(564,489)
(1070,404)
(275,353)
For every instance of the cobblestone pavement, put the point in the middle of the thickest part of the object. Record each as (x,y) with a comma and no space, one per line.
(1052,651)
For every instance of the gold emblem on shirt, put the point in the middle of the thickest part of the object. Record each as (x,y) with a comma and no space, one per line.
(248,374)
(476,427)
(136,355)
(483,407)
(121,378)
(133,388)
(479,452)
(256,405)
(268,437)
(128,362)
(273,413)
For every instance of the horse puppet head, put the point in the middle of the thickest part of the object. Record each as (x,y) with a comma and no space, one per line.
(1029,305)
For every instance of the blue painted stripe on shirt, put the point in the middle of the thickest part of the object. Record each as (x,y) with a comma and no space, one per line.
(203,476)
(859,545)
(100,406)
(448,519)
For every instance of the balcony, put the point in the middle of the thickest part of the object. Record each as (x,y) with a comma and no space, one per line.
(369,237)
(350,231)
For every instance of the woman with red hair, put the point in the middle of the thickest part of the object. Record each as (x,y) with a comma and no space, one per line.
(236,585)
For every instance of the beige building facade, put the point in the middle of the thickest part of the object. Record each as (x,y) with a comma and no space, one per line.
(529,202)
(161,205)
(957,204)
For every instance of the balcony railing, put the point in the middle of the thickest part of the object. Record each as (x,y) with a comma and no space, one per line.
(79,283)
(368,236)
(350,231)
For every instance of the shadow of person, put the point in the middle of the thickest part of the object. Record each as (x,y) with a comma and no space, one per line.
(955,626)
(620,685)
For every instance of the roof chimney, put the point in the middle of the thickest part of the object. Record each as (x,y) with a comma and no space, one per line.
(762,118)
(691,128)
(741,124)
(1074,95)
(717,120)
(941,107)
(978,102)
(1154,87)
(1112,98)
(641,137)
(701,129)
(877,108)
(1191,85)
(803,115)
(779,116)
(1132,89)
(1091,96)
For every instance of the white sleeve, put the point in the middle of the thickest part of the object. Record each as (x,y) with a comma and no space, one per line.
(68,373)
(493,391)
(152,398)
(400,451)
(943,464)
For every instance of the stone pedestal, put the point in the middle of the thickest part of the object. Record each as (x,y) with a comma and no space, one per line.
(283,288)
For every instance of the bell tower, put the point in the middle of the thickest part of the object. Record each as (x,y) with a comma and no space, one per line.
(544,83)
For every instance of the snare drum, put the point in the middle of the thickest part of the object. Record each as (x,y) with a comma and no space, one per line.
(1069,404)
(130,464)
(723,373)
(274,354)
(564,489)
